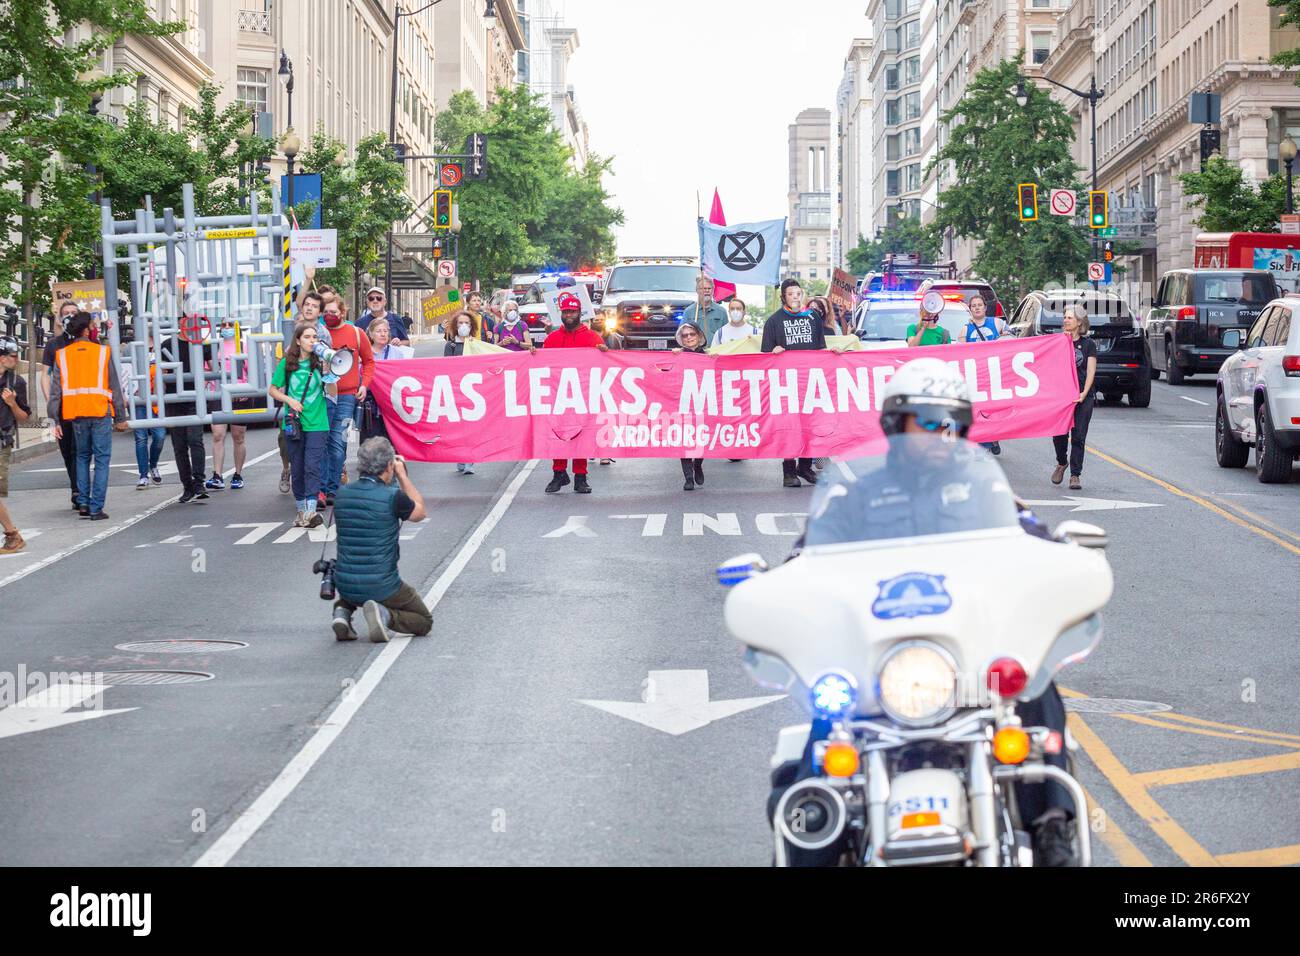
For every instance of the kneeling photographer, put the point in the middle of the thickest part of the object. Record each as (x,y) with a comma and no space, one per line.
(369,513)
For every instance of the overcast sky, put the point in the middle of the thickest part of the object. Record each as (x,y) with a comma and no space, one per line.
(687,95)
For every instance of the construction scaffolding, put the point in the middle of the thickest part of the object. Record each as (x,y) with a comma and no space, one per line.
(188,276)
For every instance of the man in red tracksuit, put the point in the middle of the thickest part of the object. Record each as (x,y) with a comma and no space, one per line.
(571,335)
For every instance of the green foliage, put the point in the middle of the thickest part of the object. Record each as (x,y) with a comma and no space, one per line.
(533,208)
(48,136)
(996,144)
(907,235)
(1229,203)
(360,197)
(1290,18)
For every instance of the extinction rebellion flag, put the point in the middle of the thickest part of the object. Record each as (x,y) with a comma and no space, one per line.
(748,252)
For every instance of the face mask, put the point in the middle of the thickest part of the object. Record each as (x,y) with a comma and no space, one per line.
(333,320)
(463,330)
(227,333)
(511,317)
(737,317)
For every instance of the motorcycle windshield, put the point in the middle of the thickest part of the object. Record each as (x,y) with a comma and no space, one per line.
(923,484)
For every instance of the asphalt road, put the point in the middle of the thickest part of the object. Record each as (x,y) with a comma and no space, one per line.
(474,745)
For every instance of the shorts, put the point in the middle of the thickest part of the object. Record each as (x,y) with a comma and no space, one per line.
(6,456)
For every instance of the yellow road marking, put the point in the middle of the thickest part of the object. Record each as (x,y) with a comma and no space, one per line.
(1250,514)
(1277,856)
(1250,730)
(1125,850)
(1137,797)
(1150,722)
(1197,499)
(1219,771)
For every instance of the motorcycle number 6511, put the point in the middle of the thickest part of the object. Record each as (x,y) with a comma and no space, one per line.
(918,804)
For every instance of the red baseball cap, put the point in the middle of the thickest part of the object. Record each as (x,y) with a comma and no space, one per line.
(568,301)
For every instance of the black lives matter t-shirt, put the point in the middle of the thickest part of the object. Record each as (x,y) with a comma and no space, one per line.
(793,331)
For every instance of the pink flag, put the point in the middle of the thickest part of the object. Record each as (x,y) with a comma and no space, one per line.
(721,290)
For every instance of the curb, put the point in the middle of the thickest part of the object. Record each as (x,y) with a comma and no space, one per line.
(29,451)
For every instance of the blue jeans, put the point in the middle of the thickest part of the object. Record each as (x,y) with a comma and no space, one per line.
(94,438)
(343,412)
(148,446)
(306,454)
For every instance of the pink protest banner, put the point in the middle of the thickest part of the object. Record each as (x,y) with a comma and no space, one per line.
(584,403)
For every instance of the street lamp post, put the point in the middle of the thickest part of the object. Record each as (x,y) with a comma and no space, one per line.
(92,173)
(285,72)
(1286,151)
(1092,95)
(489,21)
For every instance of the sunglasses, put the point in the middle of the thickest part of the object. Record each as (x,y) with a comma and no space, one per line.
(374,298)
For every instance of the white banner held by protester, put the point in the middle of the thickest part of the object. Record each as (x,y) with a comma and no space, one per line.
(314,247)
(580,290)
(747,252)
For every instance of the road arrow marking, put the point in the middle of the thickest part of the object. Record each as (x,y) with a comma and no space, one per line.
(677,702)
(49,708)
(1075,503)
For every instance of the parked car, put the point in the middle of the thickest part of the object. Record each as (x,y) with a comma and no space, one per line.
(881,319)
(967,288)
(1123,365)
(1258,393)
(1191,311)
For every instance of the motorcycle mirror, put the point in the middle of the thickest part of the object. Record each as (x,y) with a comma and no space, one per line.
(1083,534)
(740,568)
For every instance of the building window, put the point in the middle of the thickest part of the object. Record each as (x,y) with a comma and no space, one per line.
(812,273)
(891,77)
(891,147)
(911,141)
(911,69)
(892,114)
(891,182)
(251,89)
(1040,46)
(912,103)
(812,257)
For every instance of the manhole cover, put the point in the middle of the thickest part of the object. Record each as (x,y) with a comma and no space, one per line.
(151,677)
(181,647)
(1113,705)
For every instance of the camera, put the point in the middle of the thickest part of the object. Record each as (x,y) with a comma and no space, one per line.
(326,571)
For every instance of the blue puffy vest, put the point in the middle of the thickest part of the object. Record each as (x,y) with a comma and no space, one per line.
(367,541)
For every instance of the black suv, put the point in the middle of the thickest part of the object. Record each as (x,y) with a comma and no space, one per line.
(1192,309)
(1123,366)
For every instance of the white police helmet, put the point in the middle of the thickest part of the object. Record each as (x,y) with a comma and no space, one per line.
(931,390)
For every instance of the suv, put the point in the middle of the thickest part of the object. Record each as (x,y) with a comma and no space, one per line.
(644,298)
(1194,308)
(1123,367)
(966,288)
(1258,393)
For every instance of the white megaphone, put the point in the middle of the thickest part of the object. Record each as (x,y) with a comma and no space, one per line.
(339,361)
(933,302)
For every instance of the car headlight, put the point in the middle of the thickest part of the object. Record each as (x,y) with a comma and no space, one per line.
(917,683)
(834,694)
(611,323)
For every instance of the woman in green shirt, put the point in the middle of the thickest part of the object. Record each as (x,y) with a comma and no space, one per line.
(305,421)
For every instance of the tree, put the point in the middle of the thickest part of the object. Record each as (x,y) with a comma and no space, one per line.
(534,207)
(48,226)
(906,235)
(996,144)
(578,230)
(1290,17)
(360,197)
(1230,203)
(226,141)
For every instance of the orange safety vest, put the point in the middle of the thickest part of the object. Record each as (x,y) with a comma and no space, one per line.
(83,374)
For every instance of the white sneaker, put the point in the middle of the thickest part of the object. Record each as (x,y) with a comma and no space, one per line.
(377,617)
(143,483)
(342,625)
(469,469)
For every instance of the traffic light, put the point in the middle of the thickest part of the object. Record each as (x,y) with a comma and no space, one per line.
(1098,209)
(442,209)
(437,248)
(1108,251)
(1028,202)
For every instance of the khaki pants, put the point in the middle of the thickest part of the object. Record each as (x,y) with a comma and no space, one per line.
(409,615)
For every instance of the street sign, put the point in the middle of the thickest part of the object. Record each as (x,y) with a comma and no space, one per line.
(1063,202)
(466,288)
(1096,271)
(1290,223)
(1110,232)
(450,174)
(446,268)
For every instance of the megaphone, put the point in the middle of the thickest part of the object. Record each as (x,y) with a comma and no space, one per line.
(339,361)
(933,302)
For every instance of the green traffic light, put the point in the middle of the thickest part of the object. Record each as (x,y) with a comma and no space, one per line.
(1029,212)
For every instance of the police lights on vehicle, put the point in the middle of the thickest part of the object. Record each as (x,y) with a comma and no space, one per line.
(1098,209)
(1028,202)
(834,694)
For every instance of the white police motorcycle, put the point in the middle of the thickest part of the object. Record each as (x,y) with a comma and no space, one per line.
(917,614)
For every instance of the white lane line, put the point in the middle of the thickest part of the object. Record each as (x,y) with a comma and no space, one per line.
(260,810)
(845,470)
(1188,398)
(109,532)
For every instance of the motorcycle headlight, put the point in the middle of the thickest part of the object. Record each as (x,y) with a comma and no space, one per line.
(834,694)
(917,683)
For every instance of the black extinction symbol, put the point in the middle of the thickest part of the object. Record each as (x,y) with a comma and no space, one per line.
(734,248)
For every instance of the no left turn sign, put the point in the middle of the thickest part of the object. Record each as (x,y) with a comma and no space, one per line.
(1062,202)
(1096,271)
(446,268)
